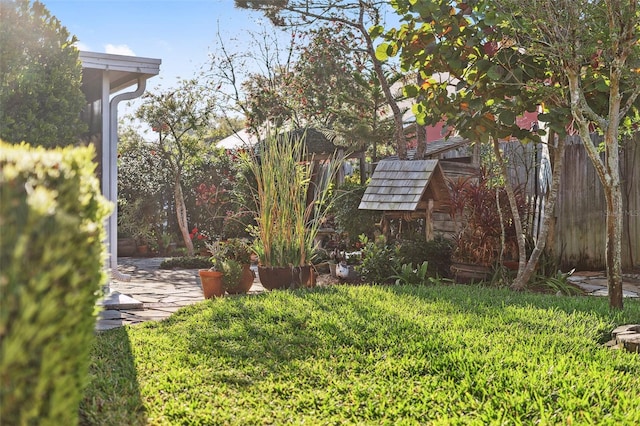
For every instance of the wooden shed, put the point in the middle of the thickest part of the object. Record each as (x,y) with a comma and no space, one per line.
(409,190)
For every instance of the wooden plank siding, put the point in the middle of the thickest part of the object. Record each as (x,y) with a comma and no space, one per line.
(580,216)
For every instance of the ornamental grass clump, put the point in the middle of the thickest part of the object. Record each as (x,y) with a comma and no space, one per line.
(286,222)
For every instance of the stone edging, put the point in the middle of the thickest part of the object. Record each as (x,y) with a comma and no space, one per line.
(627,337)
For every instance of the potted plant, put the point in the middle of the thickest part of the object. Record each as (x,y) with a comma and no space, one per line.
(477,240)
(238,275)
(168,246)
(229,272)
(289,209)
(211,279)
(235,279)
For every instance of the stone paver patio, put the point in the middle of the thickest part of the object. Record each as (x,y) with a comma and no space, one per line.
(162,292)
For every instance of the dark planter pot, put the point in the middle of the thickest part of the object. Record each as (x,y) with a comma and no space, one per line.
(274,277)
(246,281)
(306,274)
(211,283)
(511,265)
(322,268)
(282,277)
(465,273)
(332,269)
(126,247)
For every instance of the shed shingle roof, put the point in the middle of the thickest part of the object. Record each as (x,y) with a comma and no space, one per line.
(400,185)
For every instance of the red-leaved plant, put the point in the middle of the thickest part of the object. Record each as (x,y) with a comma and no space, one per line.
(480,222)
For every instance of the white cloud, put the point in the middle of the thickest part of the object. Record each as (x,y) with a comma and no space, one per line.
(81,46)
(120,49)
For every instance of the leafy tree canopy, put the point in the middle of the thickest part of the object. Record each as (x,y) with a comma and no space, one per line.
(356,15)
(40,77)
(482,66)
(314,89)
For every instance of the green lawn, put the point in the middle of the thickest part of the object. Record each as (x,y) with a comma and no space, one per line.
(370,355)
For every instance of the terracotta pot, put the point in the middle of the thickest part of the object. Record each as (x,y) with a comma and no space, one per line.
(464,273)
(246,281)
(282,277)
(211,283)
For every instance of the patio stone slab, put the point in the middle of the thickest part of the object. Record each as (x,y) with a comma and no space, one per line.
(116,300)
(103,325)
(605,293)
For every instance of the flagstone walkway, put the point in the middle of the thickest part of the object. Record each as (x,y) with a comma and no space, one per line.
(162,292)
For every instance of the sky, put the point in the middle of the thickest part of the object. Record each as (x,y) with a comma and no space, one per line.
(180,33)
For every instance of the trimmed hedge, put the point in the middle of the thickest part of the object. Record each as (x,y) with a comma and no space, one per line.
(51,273)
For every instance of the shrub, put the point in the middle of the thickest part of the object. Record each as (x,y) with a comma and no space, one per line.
(351,221)
(186,262)
(408,275)
(437,252)
(379,261)
(51,252)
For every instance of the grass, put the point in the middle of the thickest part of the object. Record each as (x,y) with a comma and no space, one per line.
(370,355)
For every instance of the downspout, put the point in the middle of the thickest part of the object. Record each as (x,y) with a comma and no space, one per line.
(113,167)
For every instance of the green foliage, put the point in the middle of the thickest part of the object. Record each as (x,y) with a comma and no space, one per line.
(436,252)
(408,275)
(144,188)
(460,46)
(40,77)
(51,252)
(371,355)
(379,260)
(186,262)
(316,86)
(237,249)
(180,117)
(349,219)
(215,195)
(558,284)
(232,271)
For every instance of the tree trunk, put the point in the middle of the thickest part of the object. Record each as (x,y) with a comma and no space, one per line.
(401,143)
(614,245)
(518,284)
(421,131)
(613,192)
(421,141)
(526,267)
(549,207)
(181,214)
(608,173)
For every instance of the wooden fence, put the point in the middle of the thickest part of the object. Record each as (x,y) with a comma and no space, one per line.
(579,225)
(581,209)
(580,215)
